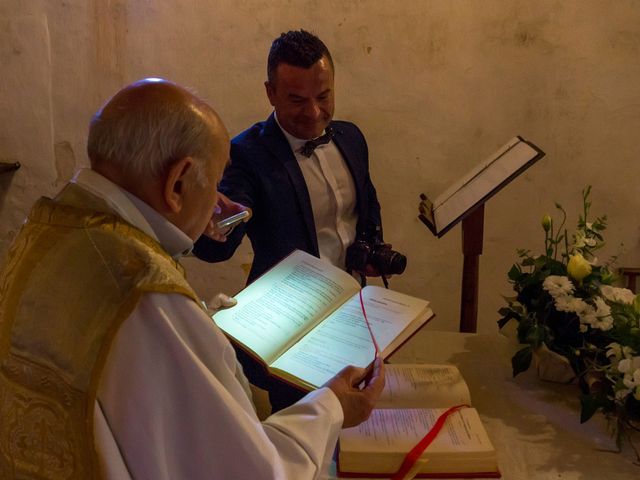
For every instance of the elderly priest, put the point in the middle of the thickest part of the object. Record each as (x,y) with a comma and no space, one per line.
(110,367)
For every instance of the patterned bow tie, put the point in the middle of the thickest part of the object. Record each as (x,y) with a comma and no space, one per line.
(311,145)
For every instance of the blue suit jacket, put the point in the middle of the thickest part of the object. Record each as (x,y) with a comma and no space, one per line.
(264,175)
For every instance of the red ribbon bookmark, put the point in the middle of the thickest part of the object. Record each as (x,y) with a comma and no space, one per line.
(411,457)
(366,321)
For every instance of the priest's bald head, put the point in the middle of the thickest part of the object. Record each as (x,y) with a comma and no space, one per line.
(165,145)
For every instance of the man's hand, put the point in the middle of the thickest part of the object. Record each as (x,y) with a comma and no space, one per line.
(218,301)
(224,209)
(357,403)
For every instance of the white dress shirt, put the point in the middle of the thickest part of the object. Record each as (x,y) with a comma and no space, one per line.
(171,402)
(333,197)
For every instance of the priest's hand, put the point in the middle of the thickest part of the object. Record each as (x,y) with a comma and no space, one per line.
(219,301)
(357,402)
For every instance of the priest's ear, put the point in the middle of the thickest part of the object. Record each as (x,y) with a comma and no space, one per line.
(178,179)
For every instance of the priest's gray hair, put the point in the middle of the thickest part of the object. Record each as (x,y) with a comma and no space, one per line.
(142,137)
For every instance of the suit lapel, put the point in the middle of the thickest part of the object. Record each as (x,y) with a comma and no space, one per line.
(277,144)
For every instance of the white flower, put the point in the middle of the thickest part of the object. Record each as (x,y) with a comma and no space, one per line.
(622,393)
(580,240)
(567,303)
(615,294)
(614,351)
(558,286)
(602,308)
(604,320)
(587,315)
(629,365)
(632,380)
(603,323)
(597,317)
(617,352)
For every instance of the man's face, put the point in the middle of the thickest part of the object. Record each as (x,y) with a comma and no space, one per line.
(201,194)
(303,98)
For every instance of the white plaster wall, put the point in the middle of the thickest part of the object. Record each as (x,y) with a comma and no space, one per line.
(436,85)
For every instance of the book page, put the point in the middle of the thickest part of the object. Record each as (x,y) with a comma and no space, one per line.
(474,172)
(284,303)
(480,182)
(380,443)
(423,386)
(400,429)
(343,338)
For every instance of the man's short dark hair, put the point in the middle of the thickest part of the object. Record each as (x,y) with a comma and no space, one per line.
(298,48)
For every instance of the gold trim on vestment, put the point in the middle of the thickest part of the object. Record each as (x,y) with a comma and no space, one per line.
(73,274)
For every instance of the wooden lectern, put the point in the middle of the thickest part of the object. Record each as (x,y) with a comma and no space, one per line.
(464,201)
(472,240)
(630,274)
(472,232)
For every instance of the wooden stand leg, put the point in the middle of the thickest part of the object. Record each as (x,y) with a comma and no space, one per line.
(631,274)
(472,231)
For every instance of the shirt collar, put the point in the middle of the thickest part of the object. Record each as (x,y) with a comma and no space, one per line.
(295,143)
(135,211)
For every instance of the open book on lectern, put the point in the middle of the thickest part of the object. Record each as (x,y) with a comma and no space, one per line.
(478,185)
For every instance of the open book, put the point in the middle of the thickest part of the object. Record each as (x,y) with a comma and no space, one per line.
(303,320)
(413,398)
(477,186)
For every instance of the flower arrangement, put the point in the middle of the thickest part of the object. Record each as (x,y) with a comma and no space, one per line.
(567,306)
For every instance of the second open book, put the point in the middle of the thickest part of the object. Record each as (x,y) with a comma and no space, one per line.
(303,320)
(413,398)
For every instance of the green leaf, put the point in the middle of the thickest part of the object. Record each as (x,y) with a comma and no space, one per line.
(503,321)
(536,334)
(521,361)
(636,304)
(514,273)
(590,403)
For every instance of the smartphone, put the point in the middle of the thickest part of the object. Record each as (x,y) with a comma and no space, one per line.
(232,221)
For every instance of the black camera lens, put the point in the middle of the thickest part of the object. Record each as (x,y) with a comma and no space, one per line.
(389,262)
(397,263)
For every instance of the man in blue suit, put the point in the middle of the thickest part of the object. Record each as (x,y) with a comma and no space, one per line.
(304,176)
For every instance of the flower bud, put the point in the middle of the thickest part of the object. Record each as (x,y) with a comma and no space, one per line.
(546,223)
(578,267)
(607,277)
